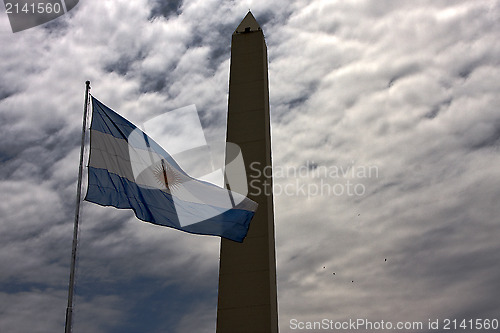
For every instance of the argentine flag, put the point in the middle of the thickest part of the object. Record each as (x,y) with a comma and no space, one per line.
(129,170)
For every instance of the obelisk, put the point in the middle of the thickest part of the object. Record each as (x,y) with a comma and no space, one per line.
(247,299)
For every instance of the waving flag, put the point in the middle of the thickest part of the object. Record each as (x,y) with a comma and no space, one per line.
(128,170)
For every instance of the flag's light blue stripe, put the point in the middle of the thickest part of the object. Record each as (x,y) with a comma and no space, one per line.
(107,121)
(108,189)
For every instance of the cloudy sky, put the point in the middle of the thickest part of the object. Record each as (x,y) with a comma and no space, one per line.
(389,110)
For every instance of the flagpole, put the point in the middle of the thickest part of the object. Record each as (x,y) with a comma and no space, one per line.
(69,309)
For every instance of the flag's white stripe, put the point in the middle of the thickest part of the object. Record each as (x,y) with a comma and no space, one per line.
(116,156)
(137,165)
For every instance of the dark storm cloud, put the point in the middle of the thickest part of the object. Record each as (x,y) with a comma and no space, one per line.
(165,8)
(490,137)
(123,64)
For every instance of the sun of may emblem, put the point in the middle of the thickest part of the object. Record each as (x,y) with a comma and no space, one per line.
(167,176)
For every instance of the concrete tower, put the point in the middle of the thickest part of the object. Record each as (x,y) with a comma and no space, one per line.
(247,275)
